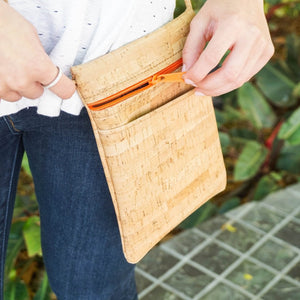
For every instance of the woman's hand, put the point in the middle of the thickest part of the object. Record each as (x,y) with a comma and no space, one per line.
(236,25)
(24,65)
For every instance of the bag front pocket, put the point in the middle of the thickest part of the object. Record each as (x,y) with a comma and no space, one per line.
(138,105)
(163,166)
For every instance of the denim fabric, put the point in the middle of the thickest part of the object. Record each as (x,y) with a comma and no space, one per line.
(80,238)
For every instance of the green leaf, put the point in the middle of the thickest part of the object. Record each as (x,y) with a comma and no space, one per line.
(290,129)
(241,136)
(25,203)
(239,143)
(180,7)
(296,91)
(255,106)
(229,204)
(12,274)
(283,67)
(250,161)
(32,236)
(220,117)
(276,86)
(225,141)
(200,215)
(14,246)
(232,114)
(197,4)
(15,290)
(289,159)
(267,185)
(25,164)
(293,58)
(273,2)
(243,133)
(229,98)
(44,292)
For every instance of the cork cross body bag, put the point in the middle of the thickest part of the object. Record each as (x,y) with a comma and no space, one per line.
(157,140)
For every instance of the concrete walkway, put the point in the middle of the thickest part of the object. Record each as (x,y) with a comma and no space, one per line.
(252,252)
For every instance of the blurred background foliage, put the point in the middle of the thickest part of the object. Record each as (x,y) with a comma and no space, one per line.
(259,123)
(259,126)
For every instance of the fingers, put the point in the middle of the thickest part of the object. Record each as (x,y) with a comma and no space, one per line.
(240,65)
(31,90)
(8,95)
(233,71)
(226,25)
(222,40)
(261,61)
(249,53)
(11,96)
(194,46)
(24,65)
(64,88)
(30,83)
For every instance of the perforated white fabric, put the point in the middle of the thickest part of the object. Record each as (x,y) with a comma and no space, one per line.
(73,32)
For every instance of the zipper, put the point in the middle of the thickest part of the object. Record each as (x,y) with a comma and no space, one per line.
(163,75)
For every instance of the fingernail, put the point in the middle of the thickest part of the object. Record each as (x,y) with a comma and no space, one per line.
(183,68)
(188,81)
(199,94)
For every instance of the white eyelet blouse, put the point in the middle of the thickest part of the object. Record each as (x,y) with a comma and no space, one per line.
(73,32)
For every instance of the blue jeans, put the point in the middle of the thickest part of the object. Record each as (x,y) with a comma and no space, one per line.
(80,237)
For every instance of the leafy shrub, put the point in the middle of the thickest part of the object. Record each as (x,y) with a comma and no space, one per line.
(259,128)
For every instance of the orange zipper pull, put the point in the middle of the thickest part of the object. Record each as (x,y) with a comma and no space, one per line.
(171,77)
(163,75)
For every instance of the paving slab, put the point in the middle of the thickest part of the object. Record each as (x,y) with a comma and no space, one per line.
(251,252)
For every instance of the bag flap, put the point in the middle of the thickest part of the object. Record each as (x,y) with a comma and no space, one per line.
(133,62)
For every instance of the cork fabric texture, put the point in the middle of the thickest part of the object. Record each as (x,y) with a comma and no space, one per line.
(160,149)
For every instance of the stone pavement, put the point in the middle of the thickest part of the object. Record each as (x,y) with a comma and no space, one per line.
(251,252)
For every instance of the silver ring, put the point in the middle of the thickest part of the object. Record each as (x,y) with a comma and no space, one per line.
(56,79)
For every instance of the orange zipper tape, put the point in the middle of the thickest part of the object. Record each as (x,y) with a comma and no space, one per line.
(164,75)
